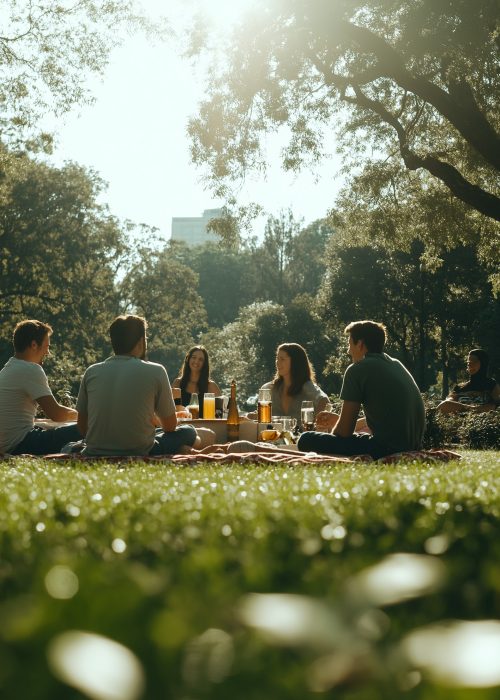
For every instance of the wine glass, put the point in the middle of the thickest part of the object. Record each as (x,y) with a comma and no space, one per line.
(307,415)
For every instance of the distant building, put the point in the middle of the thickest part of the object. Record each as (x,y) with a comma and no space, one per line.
(193,229)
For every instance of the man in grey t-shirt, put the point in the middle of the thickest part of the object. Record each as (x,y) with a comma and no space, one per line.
(122,399)
(23,388)
(394,409)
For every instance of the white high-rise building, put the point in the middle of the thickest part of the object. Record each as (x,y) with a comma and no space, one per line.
(193,229)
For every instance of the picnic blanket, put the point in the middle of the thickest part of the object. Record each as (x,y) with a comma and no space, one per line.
(248,458)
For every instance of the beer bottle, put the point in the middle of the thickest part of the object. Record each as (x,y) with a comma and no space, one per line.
(233,419)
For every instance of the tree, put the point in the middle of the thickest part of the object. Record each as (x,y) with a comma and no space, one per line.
(227,279)
(59,253)
(47,49)
(276,250)
(307,263)
(393,206)
(163,290)
(417,78)
(434,312)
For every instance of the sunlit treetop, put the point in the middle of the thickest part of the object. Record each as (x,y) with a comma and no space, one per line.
(48,49)
(419,79)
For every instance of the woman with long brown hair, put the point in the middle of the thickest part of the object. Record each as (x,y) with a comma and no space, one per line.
(294,382)
(195,377)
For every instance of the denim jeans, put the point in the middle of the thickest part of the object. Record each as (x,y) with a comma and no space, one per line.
(45,441)
(170,443)
(328,444)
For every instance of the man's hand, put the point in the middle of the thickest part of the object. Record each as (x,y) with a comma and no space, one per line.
(326,421)
(168,423)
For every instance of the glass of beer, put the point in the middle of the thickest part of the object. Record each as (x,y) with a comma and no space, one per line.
(194,406)
(264,407)
(209,405)
(307,415)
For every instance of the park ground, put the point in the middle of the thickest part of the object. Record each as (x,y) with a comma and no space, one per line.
(245,582)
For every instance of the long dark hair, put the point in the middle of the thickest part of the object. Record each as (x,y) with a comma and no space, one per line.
(185,372)
(301,370)
(480,380)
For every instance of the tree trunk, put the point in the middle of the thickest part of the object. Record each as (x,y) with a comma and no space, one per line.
(421,332)
(445,387)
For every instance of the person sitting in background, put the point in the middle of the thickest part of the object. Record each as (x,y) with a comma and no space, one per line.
(23,386)
(293,383)
(195,377)
(121,399)
(480,394)
(393,405)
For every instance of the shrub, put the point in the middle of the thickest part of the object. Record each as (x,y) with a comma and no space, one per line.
(474,430)
(480,430)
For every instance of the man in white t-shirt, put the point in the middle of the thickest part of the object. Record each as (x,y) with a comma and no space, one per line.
(122,399)
(23,386)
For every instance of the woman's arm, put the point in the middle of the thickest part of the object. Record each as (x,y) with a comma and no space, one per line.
(321,404)
(318,396)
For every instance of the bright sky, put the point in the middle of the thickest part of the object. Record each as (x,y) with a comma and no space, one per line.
(134,136)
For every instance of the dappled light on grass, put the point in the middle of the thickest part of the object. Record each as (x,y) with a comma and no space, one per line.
(97,666)
(463,654)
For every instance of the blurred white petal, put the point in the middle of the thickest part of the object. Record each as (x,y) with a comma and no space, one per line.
(97,666)
(397,578)
(293,620)
(463,654)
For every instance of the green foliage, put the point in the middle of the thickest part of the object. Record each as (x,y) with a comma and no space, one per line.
(481,430)
(164,291)
(47,50)
(59,252)
(416,79)
(227,279)
(473,430)
(435,309)
(161,559)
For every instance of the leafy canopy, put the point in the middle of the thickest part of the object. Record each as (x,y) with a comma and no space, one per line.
(418,78)
(47,50)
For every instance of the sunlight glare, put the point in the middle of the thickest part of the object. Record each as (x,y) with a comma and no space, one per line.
(222,13)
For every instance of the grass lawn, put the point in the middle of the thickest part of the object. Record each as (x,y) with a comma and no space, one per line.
(250,582)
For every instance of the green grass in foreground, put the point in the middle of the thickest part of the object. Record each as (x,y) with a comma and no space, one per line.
(163,559)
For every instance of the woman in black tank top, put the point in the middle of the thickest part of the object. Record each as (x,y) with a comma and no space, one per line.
(195,377)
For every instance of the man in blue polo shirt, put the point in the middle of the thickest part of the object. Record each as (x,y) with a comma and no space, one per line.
(393,407)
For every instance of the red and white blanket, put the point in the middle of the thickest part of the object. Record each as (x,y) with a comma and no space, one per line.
(299,459)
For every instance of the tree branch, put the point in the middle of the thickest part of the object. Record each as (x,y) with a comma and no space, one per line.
(471,194)
(458,106)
